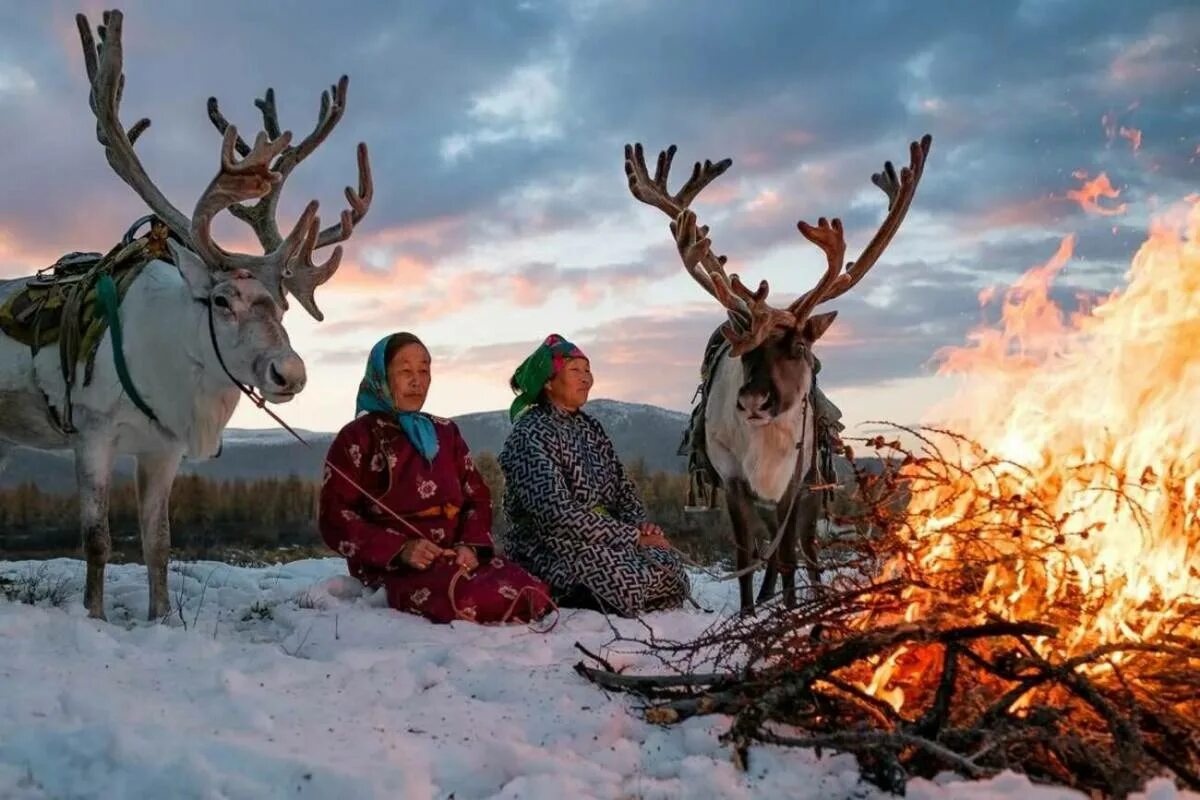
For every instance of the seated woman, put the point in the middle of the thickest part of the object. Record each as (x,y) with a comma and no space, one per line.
(402,501)
(576,519)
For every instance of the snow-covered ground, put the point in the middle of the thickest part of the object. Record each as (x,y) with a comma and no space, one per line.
(290,681)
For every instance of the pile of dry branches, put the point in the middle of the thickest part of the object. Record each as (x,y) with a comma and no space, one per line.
(982,690)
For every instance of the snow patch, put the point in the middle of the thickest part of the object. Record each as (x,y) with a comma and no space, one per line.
(293,681)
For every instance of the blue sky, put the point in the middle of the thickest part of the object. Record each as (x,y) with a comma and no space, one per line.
(501,211)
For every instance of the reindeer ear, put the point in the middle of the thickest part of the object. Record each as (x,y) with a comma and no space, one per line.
(196,274)
(816,325)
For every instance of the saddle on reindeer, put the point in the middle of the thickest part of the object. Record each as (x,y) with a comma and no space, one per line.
(74,301)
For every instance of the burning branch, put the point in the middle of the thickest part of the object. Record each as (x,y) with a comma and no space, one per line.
(950,638)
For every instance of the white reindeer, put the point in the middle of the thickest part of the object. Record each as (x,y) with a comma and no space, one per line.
(759,420)
(198,332)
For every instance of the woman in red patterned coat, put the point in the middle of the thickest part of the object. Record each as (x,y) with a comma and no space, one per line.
(402,501)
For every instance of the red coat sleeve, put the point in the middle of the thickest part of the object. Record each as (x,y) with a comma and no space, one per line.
(342,504)
(475,525)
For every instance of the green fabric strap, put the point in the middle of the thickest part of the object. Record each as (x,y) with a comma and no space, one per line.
(106,303)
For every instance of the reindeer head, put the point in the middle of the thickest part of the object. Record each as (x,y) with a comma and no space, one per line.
(774,344)
(776,374)
(246,327)
(246,294)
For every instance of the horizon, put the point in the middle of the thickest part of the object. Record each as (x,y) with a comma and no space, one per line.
(501,211)
(685,413)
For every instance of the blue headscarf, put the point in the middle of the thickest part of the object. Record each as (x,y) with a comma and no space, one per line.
(374,394)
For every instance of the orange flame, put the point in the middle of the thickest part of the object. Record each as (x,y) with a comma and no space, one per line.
(1057,395)
(1092,190)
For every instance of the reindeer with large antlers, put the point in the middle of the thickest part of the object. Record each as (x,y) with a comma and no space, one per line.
(202,326)
(759,421)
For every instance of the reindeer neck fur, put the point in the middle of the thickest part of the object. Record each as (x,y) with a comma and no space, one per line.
(171,360)
(766,457)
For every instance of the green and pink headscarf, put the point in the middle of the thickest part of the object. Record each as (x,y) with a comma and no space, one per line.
(542,364)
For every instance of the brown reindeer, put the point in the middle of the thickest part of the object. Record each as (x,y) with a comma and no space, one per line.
(760,431)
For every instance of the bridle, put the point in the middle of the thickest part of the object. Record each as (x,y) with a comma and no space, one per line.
(253,394)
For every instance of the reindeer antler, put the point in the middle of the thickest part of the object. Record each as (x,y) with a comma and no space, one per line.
(258,175)
(691,239)
(751,317)
(104,65)
(303,282)
(260,217)
(289,265)
(829,237)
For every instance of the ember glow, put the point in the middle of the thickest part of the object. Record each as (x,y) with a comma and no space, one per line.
(1133,135)
(1089,194)
(1091,414)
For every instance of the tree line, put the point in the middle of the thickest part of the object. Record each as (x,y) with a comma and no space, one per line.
(275,518)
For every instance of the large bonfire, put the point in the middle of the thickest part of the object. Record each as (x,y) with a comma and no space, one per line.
(1021,592)
(1073,487)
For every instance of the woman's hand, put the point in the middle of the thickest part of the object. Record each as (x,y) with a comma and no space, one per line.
(465,558)
(650,535)
(420,553)
(650,529)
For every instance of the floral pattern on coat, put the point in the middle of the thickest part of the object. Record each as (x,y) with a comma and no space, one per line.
(356,519)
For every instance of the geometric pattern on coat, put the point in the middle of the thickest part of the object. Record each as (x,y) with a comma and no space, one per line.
(574,515)
(445,501)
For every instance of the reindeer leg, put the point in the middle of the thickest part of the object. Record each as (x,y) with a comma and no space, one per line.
(767,589)
(155,474)
(772,521)
(783,560)
(93,474)
(804,527)
(742,517)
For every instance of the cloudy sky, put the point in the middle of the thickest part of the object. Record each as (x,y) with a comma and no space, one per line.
(501,211)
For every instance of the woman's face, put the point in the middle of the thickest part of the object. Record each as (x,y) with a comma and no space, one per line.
(569,388)
(408,377)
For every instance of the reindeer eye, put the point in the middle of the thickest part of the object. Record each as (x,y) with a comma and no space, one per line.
(220,302)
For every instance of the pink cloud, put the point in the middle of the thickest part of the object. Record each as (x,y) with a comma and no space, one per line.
(403,272)
(798,137)
(718,194)
(525,291)
(432,232)
(649,358)
(20,257)
(1153,59)
(1035,212)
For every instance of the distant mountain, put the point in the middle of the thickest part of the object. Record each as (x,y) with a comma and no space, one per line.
(638,432)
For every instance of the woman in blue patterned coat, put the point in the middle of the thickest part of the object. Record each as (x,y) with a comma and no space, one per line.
(576,519)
